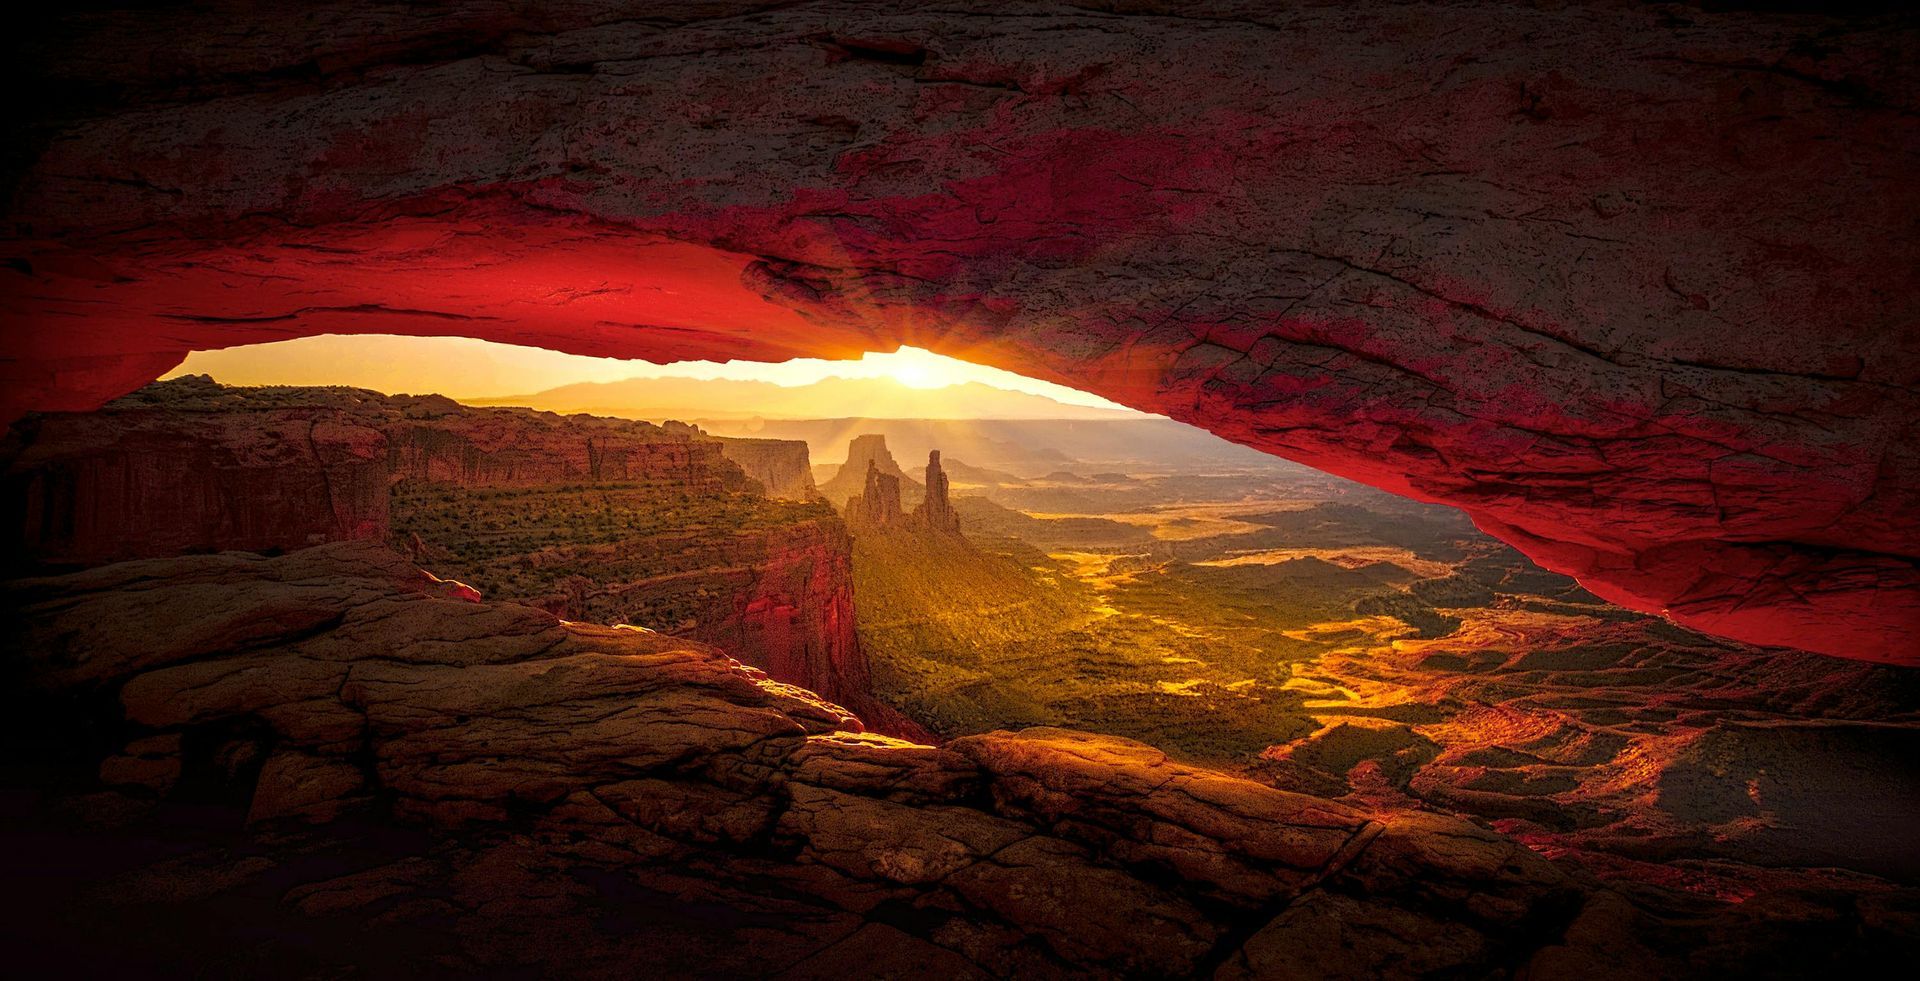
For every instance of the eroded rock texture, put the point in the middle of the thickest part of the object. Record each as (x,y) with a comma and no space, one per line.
(604,520)
(605,801)
(190,465)
(936,513)
(868,453)
(782,466)
(879,505)
(1632,284)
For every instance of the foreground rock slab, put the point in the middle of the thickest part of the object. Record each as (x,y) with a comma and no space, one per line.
(480,788)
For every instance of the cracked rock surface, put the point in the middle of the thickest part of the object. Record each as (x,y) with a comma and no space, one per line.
(467,787)
(1633,285)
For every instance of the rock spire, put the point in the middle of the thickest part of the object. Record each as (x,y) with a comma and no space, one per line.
(936,513)
(878,506)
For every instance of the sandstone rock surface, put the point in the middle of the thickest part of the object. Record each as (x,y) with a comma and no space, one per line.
(192,466)
(878,506)
(782,466)
(610,800)
(935,514)
(1633,284)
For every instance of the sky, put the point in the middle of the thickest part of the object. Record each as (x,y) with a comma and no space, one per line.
(464,368)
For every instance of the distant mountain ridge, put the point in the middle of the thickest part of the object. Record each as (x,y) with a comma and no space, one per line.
(872,398)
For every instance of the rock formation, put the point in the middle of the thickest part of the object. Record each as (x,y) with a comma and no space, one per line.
(1639,297)
(611,801)
(935,514)
(879,505)
(782,466)
(191,466)
(135,482)
(865,452)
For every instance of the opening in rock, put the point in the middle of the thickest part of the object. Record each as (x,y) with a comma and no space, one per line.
(330,682)
(949,550)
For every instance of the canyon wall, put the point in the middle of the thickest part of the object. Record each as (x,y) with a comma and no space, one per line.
(594,519)
(436,440)
(792,615)
(1631,283)
(776,594)
(193,466)
(139,480)
(782,466)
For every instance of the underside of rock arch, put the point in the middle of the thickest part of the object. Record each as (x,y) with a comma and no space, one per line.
(1634,286)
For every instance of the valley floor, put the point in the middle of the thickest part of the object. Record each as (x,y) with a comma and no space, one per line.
(1384,653)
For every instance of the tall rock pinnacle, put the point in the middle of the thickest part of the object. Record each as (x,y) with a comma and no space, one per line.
(879,505)
(936,512)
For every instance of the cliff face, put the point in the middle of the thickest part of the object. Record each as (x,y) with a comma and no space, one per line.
(191,466)
(776,594)
(493,448)
(782,466)
(595,519)
(590,786)
(1639,299)
(140,481)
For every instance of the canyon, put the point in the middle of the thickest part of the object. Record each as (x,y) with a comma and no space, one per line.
(593,519)
(1319,637)
(1602,293)
(1445,759)
(611,800)
(1548,611)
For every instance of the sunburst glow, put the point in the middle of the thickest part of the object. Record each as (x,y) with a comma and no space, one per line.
(466,368)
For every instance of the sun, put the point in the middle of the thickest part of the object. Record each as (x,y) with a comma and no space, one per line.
(915,368)
(465,368)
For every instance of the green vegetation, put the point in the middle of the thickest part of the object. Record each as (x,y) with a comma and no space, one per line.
(1120,620)
(969,637)
(563,547)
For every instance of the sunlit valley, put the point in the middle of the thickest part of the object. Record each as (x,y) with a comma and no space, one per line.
(839,490)
(1006,562)
(1129,575)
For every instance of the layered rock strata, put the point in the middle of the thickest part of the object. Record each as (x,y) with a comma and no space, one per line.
(778,596)
(193,466)
(1638,297)
(134,482)
(598,519)
(782,466)
(597,780)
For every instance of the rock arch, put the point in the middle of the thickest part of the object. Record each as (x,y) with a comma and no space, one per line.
(1633,286)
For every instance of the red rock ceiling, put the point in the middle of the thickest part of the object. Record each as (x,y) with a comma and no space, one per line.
(1634,286)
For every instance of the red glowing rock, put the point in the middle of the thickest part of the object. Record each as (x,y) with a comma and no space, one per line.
(1632,285)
